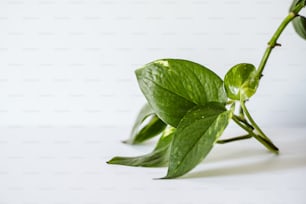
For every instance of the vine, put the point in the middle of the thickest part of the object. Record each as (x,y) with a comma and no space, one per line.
(190,106)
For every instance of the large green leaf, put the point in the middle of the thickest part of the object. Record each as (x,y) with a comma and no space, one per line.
(299,24)
(195,136)
(158,157)
(241,81)
(173,86)
(140,132)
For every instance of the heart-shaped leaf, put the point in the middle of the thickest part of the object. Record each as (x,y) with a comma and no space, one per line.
(173,86)
(241,81)
(158,157)
(140,132)
(299,24)
(195,136)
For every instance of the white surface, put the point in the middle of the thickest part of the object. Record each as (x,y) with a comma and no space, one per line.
(67,165)
(72,62)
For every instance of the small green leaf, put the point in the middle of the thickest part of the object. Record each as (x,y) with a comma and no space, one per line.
(241,81)
(158,157)
(195,136)
(153,127)
(299,24)
(296,4)
(173,86)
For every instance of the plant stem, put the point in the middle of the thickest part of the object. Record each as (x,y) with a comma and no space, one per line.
(252,121)
(243,137)
(261,136)
(241,114)
(244,121)
(267,143)
(273,42)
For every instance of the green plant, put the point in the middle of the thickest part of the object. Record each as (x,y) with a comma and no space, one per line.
(191,106)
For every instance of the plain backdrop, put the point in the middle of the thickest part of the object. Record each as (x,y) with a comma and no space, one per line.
(68,95)
(71,62)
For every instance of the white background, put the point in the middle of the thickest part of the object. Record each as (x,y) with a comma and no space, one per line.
(68,95)
(72,62)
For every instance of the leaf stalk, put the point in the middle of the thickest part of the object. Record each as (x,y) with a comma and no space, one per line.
(233,139)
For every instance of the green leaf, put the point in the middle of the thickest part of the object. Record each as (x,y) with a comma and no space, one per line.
(145,112)
(153,127)
(195,136)
(173,86)
(299,24)
(241,81)
(158,157)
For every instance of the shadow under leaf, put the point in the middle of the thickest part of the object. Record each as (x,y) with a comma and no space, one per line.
(271,163)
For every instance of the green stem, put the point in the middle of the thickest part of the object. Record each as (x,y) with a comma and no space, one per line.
(261,136)
(244,121)
(267,143)
(241,114)
(273,41)
(243,137)
(252,121)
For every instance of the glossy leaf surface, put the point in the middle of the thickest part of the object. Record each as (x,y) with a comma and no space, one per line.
(173,86)
(140,132)
(158,157)
(195,136)
(241,82)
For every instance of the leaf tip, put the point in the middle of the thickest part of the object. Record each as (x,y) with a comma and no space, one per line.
(162,178)
(112,160)
(127,142)
(158,178)
(169,176)
(138,72)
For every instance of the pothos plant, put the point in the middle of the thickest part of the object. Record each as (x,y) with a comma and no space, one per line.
(190,106)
